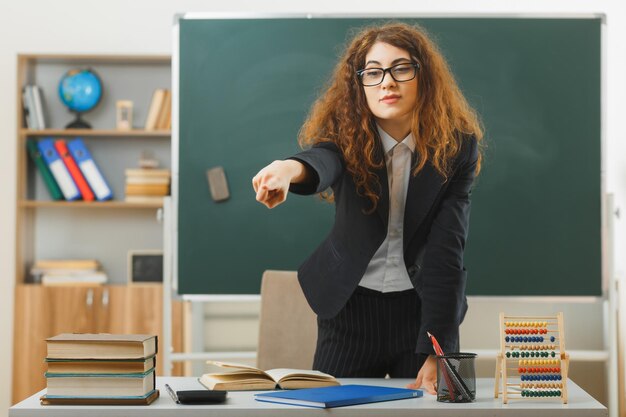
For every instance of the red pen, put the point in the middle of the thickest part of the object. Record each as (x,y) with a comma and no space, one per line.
(436,346)
(446,376)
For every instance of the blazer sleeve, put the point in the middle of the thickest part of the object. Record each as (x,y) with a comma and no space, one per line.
(443,276)
(324,164)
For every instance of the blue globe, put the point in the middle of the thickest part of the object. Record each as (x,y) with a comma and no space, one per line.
(80,90)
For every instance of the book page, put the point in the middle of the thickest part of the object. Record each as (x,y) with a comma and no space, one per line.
(283,374)
(236,382)
(239,376)
(234,365)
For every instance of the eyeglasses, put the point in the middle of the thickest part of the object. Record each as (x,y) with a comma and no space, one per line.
(406,71)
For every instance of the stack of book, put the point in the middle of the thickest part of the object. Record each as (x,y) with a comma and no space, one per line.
(101,369)
(68,170)
(147,185)
(68,272)
(32,101)
(160,111)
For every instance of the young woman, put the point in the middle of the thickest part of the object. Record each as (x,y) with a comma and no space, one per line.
(398,144)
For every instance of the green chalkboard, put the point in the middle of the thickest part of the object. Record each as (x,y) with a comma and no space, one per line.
(246,86)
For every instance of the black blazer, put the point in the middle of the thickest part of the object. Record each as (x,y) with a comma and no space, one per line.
(436,221)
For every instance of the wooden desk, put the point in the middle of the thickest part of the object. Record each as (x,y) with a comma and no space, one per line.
(243,404)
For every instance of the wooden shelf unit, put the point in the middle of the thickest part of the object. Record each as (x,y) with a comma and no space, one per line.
(42,311)
(30,196)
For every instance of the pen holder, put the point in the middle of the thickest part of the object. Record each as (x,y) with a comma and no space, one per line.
(456,377)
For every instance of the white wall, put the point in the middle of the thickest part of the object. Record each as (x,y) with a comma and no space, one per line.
(143,26)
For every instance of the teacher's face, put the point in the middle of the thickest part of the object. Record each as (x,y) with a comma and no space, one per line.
(391,101)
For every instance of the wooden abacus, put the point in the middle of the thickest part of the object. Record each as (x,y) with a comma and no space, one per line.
(532,363)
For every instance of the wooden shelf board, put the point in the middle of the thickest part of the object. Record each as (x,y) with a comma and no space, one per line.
(96,133)
(88,205)
(89,58)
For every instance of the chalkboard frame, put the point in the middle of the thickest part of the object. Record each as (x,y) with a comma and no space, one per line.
(601,290)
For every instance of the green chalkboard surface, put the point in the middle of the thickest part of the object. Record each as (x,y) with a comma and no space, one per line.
(246,86)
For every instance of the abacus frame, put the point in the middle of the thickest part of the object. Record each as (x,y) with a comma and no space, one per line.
(504,370)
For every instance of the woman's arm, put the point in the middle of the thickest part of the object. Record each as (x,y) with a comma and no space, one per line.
(325,165)
(442,279)
(309,172)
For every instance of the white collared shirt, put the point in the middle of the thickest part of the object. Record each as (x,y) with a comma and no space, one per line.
(386,271)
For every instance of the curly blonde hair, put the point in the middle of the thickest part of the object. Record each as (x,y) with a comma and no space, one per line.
(441,119)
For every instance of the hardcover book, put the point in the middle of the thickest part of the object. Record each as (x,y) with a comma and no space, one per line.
(67,264)
(100,366)
(104,400)
(98,385)
(338,396)
(101,346)
(155,109)
(244,377)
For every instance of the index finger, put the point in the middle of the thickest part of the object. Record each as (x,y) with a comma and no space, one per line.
(261,195)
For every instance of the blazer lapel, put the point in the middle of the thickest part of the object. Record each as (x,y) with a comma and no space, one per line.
(421,193)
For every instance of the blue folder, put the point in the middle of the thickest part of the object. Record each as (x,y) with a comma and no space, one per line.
(90,170)
(338,396)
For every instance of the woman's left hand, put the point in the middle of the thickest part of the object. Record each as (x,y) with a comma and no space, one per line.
(427,376)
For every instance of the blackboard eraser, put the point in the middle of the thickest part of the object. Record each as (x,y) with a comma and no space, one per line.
(217,184)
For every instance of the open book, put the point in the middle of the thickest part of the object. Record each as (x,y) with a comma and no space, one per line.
(244,377)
